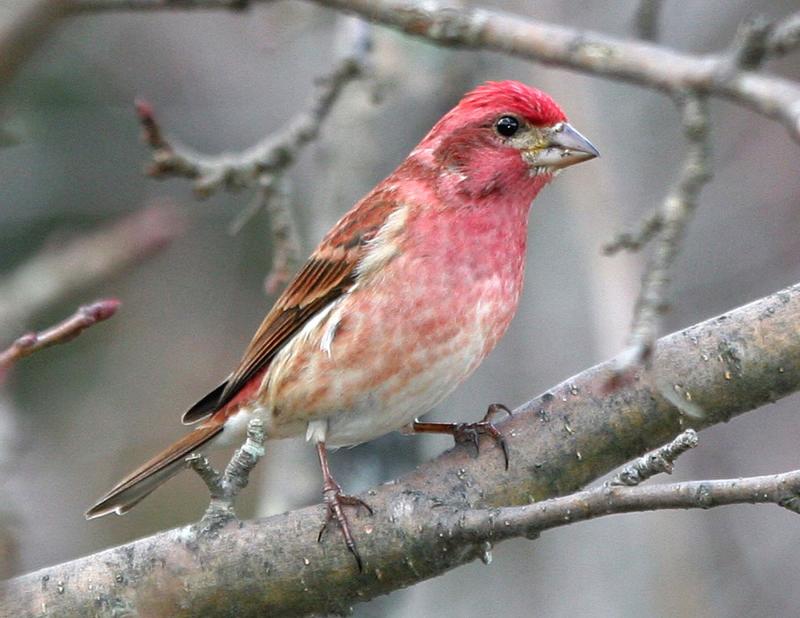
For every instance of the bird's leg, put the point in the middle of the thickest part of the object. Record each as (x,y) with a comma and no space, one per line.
(335,500)
(469,432)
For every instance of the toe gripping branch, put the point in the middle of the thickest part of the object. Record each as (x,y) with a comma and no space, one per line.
(226,486)
(470,433)
(335,501)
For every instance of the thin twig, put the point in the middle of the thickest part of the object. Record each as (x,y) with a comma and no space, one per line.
(656,462)
(286,250)
(785,36)
(263,166)
(675,213)
(226,486)
(271,156)
(750,46)
(66,330)
(509,522)
(634,241)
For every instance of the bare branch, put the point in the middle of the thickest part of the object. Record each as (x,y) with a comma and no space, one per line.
(263,166)
(443,514)
(286,251)
(57,272)
(660,460)
(645,20)
(25,26)
(272,156)
(634,241)
(83,318)
(785,36)
(673,218)
(639,62)
(226,486)
(530,520)
(749,48)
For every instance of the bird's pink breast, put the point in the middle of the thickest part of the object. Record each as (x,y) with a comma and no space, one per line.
(414,331)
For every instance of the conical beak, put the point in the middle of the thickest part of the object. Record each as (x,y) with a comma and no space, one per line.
(561,147)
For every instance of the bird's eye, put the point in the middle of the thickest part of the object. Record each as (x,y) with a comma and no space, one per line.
(507,126)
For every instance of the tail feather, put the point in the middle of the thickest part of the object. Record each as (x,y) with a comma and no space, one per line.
(139,483)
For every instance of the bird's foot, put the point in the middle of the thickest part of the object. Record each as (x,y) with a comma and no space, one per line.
(470,433)
(335,501)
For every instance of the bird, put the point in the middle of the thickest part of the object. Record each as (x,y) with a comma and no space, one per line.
(400,301)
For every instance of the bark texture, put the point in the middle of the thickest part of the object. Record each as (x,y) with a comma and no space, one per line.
(425,523)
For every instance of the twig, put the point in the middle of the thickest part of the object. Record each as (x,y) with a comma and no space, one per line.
(785,36)
(57,272)
(750,47)
(634,241)
(270,157)
(656,462)
(646,19)
(529,521)
(83,318)
(286,248)
(264,165)
(674,216)
(226,486)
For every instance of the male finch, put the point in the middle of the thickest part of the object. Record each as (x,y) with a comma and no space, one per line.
(401,300)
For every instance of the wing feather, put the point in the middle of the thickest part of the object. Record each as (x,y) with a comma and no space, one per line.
(328,274)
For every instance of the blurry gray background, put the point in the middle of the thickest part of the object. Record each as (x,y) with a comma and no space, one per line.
(83,414)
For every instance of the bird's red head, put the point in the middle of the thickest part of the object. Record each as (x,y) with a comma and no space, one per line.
(530,104)
(502,137)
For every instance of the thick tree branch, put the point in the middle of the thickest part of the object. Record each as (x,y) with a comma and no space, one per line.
(559,442)
(638,62)
(66,330)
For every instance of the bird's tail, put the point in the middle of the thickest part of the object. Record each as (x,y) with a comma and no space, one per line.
(138,484)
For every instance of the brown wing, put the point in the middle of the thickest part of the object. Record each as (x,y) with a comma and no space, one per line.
(327,275)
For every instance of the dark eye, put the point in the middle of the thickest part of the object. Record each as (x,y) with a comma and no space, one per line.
(507,126)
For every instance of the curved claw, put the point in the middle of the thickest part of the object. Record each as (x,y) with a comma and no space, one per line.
(334,501)
(471,432)
(494,408)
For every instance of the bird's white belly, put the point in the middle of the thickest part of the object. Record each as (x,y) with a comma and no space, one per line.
(380,413)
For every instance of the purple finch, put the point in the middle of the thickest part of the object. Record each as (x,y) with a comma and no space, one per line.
(401,300)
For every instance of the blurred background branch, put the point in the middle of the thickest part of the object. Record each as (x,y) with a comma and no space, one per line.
(646,18)
(58,271)
(264,165)
(668,226)
(66,330)
(462,500)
